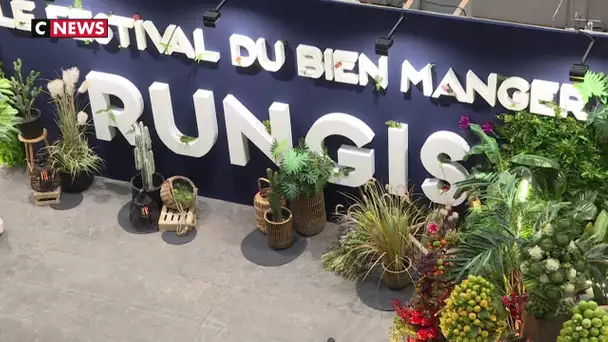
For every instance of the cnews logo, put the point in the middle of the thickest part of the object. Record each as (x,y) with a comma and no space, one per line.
(70,28)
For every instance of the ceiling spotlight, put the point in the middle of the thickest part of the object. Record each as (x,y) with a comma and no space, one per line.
(578,70)
(210,17)
(385,43)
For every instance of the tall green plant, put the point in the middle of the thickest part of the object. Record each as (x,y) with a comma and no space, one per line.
(8,114)
(25,90)
(274,197)
(71,152)
(378,229)
(302,171)
(143,155)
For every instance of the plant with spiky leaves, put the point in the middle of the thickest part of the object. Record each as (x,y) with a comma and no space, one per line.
(144,157)
(594,90)
(274,196)
(25,90)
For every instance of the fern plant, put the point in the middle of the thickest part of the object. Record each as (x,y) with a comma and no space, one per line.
(301,170)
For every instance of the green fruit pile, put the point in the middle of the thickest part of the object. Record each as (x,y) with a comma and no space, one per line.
(469,314)
(589,323)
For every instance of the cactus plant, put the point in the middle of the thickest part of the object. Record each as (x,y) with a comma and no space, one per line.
(144,157)
(274,196)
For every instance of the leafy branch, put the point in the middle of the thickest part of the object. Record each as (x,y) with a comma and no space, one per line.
(186,139)
(393,124)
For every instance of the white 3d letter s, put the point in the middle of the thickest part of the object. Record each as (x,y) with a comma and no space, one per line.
(455,147)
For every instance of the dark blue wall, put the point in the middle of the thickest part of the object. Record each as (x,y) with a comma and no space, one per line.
(446,42)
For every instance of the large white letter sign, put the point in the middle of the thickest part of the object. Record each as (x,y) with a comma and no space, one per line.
(409,75)
(521,97)
(242,125)
(238,42)
(163,45)
(368,69)
(542,91)
(455,147)
(5,21)
(279,55)
(23,20)
(397,159)
(361,159)
(476,86)
(310,61)
(199,48)
(164,121)
(101,86)
(123,24)
(450,86)
(571,100)
(344,64)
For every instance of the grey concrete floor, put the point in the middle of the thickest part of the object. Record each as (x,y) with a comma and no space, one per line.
(75,275)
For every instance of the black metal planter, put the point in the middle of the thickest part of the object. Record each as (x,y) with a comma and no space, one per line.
(31,128)
(79,182)
(154,193)
(392,3)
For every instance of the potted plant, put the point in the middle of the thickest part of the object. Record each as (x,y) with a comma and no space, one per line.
(178,192)
(24,94)
(379,232)
(304,174)
(11,149)
(70,155)
(147,180)
(279,226)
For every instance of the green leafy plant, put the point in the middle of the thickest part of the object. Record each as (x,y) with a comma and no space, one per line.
(378,79)
(24,90)
(183,193)
(8,114)
(393,124)
(70,153)
(186,139)
(274,196)
(567,141)
(377,230)
(267,126)
(594,85)
(302,171)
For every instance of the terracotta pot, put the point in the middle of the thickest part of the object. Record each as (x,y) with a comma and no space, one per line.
(541,330)
(280,234)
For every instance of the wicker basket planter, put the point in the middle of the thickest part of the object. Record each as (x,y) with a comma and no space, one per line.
(396,280)
(309,214)
(261,204)
(166,193)
(280,234)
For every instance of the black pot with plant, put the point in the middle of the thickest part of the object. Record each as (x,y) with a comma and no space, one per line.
(147,180)
(24,94)
(70,155)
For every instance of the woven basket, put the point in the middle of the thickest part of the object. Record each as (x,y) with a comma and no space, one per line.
(166,193)
(309,214)
(280,234)
(396,280)
(261,204)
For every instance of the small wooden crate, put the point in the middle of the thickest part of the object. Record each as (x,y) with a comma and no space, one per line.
(169,219)
(47,198)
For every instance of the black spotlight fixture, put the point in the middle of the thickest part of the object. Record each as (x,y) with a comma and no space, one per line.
(385,43)
(210,17)
(578,71)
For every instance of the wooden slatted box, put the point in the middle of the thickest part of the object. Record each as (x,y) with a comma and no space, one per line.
(169,219)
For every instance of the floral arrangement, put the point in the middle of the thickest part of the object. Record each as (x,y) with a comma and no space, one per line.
(471,312)
(553,267)
(417,320)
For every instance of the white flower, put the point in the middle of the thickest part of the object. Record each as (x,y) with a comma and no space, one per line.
(536,237)
(56,88)
(571,274)
(536,253)
(543,279)
(82,118)
(443,212)
(548,230)
(70,77)
(572,247)
(551,265)
(568,288)
(455,214)
(84,87)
